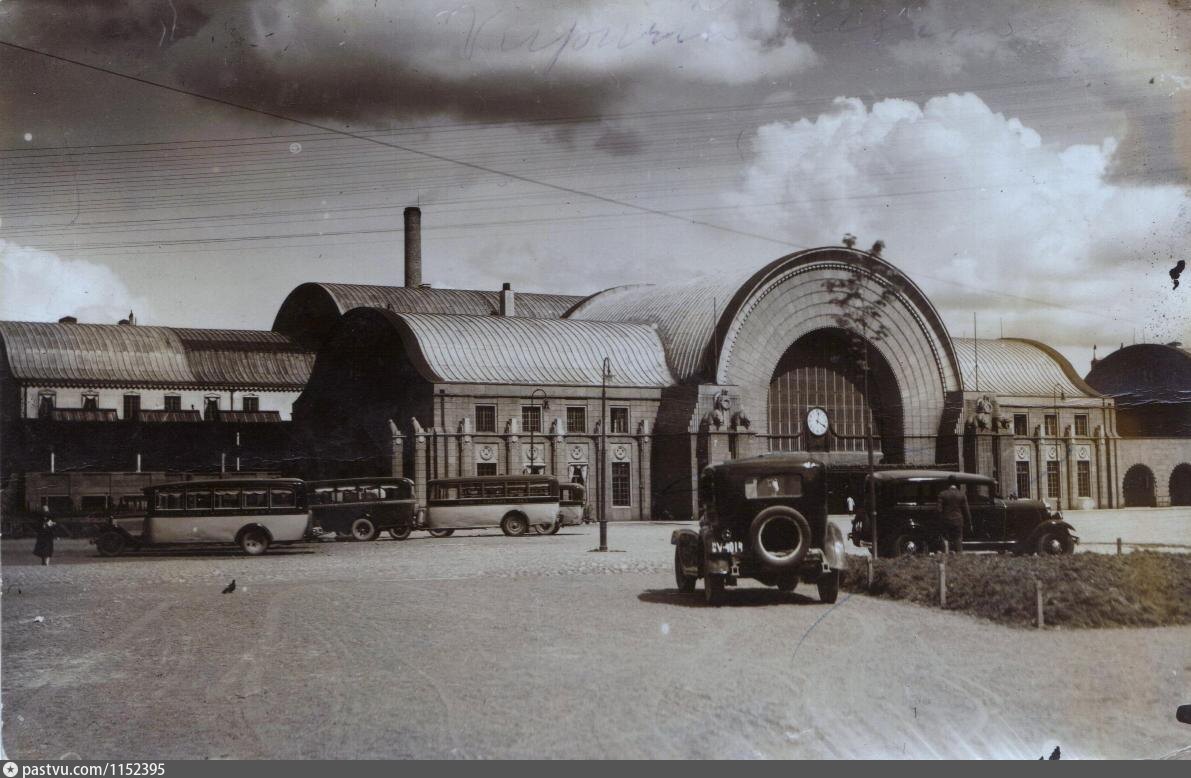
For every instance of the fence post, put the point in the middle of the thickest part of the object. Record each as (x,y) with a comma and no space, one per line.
(1118,546)
(942,583)
(1038,596)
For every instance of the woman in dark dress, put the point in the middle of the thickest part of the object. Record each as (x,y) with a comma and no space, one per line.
(44,547)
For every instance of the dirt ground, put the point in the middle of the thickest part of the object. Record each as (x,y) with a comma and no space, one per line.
(485,646)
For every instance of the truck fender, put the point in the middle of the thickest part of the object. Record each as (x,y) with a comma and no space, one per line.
(833,548)
(691,539)
(683,536)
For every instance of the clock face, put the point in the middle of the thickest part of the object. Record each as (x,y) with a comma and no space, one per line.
(817,422)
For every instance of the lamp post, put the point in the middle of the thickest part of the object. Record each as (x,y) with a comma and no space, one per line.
(1058,393)
(533,399)
(605,375)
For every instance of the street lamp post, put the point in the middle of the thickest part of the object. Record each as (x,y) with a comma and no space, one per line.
(533,399)
(1058,393)
(605,374)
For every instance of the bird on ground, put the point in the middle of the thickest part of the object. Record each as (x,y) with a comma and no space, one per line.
(230,587)
(1177,271)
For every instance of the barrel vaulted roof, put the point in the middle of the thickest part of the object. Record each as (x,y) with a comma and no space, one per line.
(1017,367)
(514,350)
(122,355)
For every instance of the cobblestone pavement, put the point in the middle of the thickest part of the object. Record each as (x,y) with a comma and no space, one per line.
(484,646)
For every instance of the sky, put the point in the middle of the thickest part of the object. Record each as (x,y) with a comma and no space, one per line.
(1028,163)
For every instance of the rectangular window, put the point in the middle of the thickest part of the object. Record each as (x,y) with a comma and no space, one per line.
(1083,477)
(227,498)
(198,501)
(58,504)
(485,468)
(251,403)
(211,408)
(621,484)
(619,420)
(1052,425)
(531,418)
(473,491)
(256,498)
(1021,424)
(91,403)
(93,502)
(132,405)
(45,404)
(494,489)
(518,489)
(171,500)
(1081,424)
(576,419)
(1023,480)
(282,498)
(1052,479)
(173,402)
(777,485)
(486,420)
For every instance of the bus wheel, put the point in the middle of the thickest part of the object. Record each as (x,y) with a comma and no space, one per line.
(514,525)
(441,533)
(400,533)
(542,529)
(364,529)
(110,543)
(254,541)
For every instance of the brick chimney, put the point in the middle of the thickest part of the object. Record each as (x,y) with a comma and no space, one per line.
(507,301)
(413,247)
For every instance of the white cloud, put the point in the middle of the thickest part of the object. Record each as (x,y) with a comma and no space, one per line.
(37,285)
(970,202)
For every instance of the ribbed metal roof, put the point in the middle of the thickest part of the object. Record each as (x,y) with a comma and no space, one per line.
(1144,374)
(513,350)
(116,355)
(404,299)
(685,314)
(1017,367)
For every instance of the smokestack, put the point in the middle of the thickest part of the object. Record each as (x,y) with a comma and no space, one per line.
(507,301)
(413,247)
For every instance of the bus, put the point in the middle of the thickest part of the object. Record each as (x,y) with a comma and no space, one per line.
(361,508)
(572,504)
(251,513)
(515,503)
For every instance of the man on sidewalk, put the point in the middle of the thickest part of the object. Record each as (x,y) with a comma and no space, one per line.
(954,515)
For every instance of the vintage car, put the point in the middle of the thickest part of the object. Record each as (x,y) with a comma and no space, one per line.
(251,513)
(360,508)
(908,520)
(763,518)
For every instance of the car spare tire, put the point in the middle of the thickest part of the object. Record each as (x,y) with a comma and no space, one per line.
(780,537)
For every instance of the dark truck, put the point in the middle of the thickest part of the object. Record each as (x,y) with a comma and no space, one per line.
(908,520)
(763,518)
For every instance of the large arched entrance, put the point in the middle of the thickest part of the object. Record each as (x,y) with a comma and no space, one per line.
(1180,485)
(1139,487)
(824,369)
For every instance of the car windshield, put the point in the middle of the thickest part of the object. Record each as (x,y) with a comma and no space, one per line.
(774,485)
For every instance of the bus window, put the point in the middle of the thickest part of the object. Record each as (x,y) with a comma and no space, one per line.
(472,490)
(494,489)
(170,500)
(282,498)
(198,501)
(256,498)
(518,489)
(227,498)
(324,496)
(369,494)
(394,492)
(348,495)
(444,492)
(540,489)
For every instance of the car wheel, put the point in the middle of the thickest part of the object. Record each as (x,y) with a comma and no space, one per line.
(908,545)
(254,541)
(110,543)
(686,583)
(787,583)
(400,533)
(1055,543)
(441,533)
(828,584)
(364,529)
(714,591)
(514,525)
(780,537)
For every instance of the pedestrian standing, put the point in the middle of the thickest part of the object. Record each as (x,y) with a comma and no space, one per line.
(851,505)
(954,514)
(44,547)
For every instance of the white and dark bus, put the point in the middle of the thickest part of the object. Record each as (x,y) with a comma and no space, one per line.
(515,503)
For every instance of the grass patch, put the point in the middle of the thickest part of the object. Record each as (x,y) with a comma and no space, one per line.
(1141,589)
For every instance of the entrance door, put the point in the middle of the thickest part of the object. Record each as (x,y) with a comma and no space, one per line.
(1139,487)
(1180,485)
